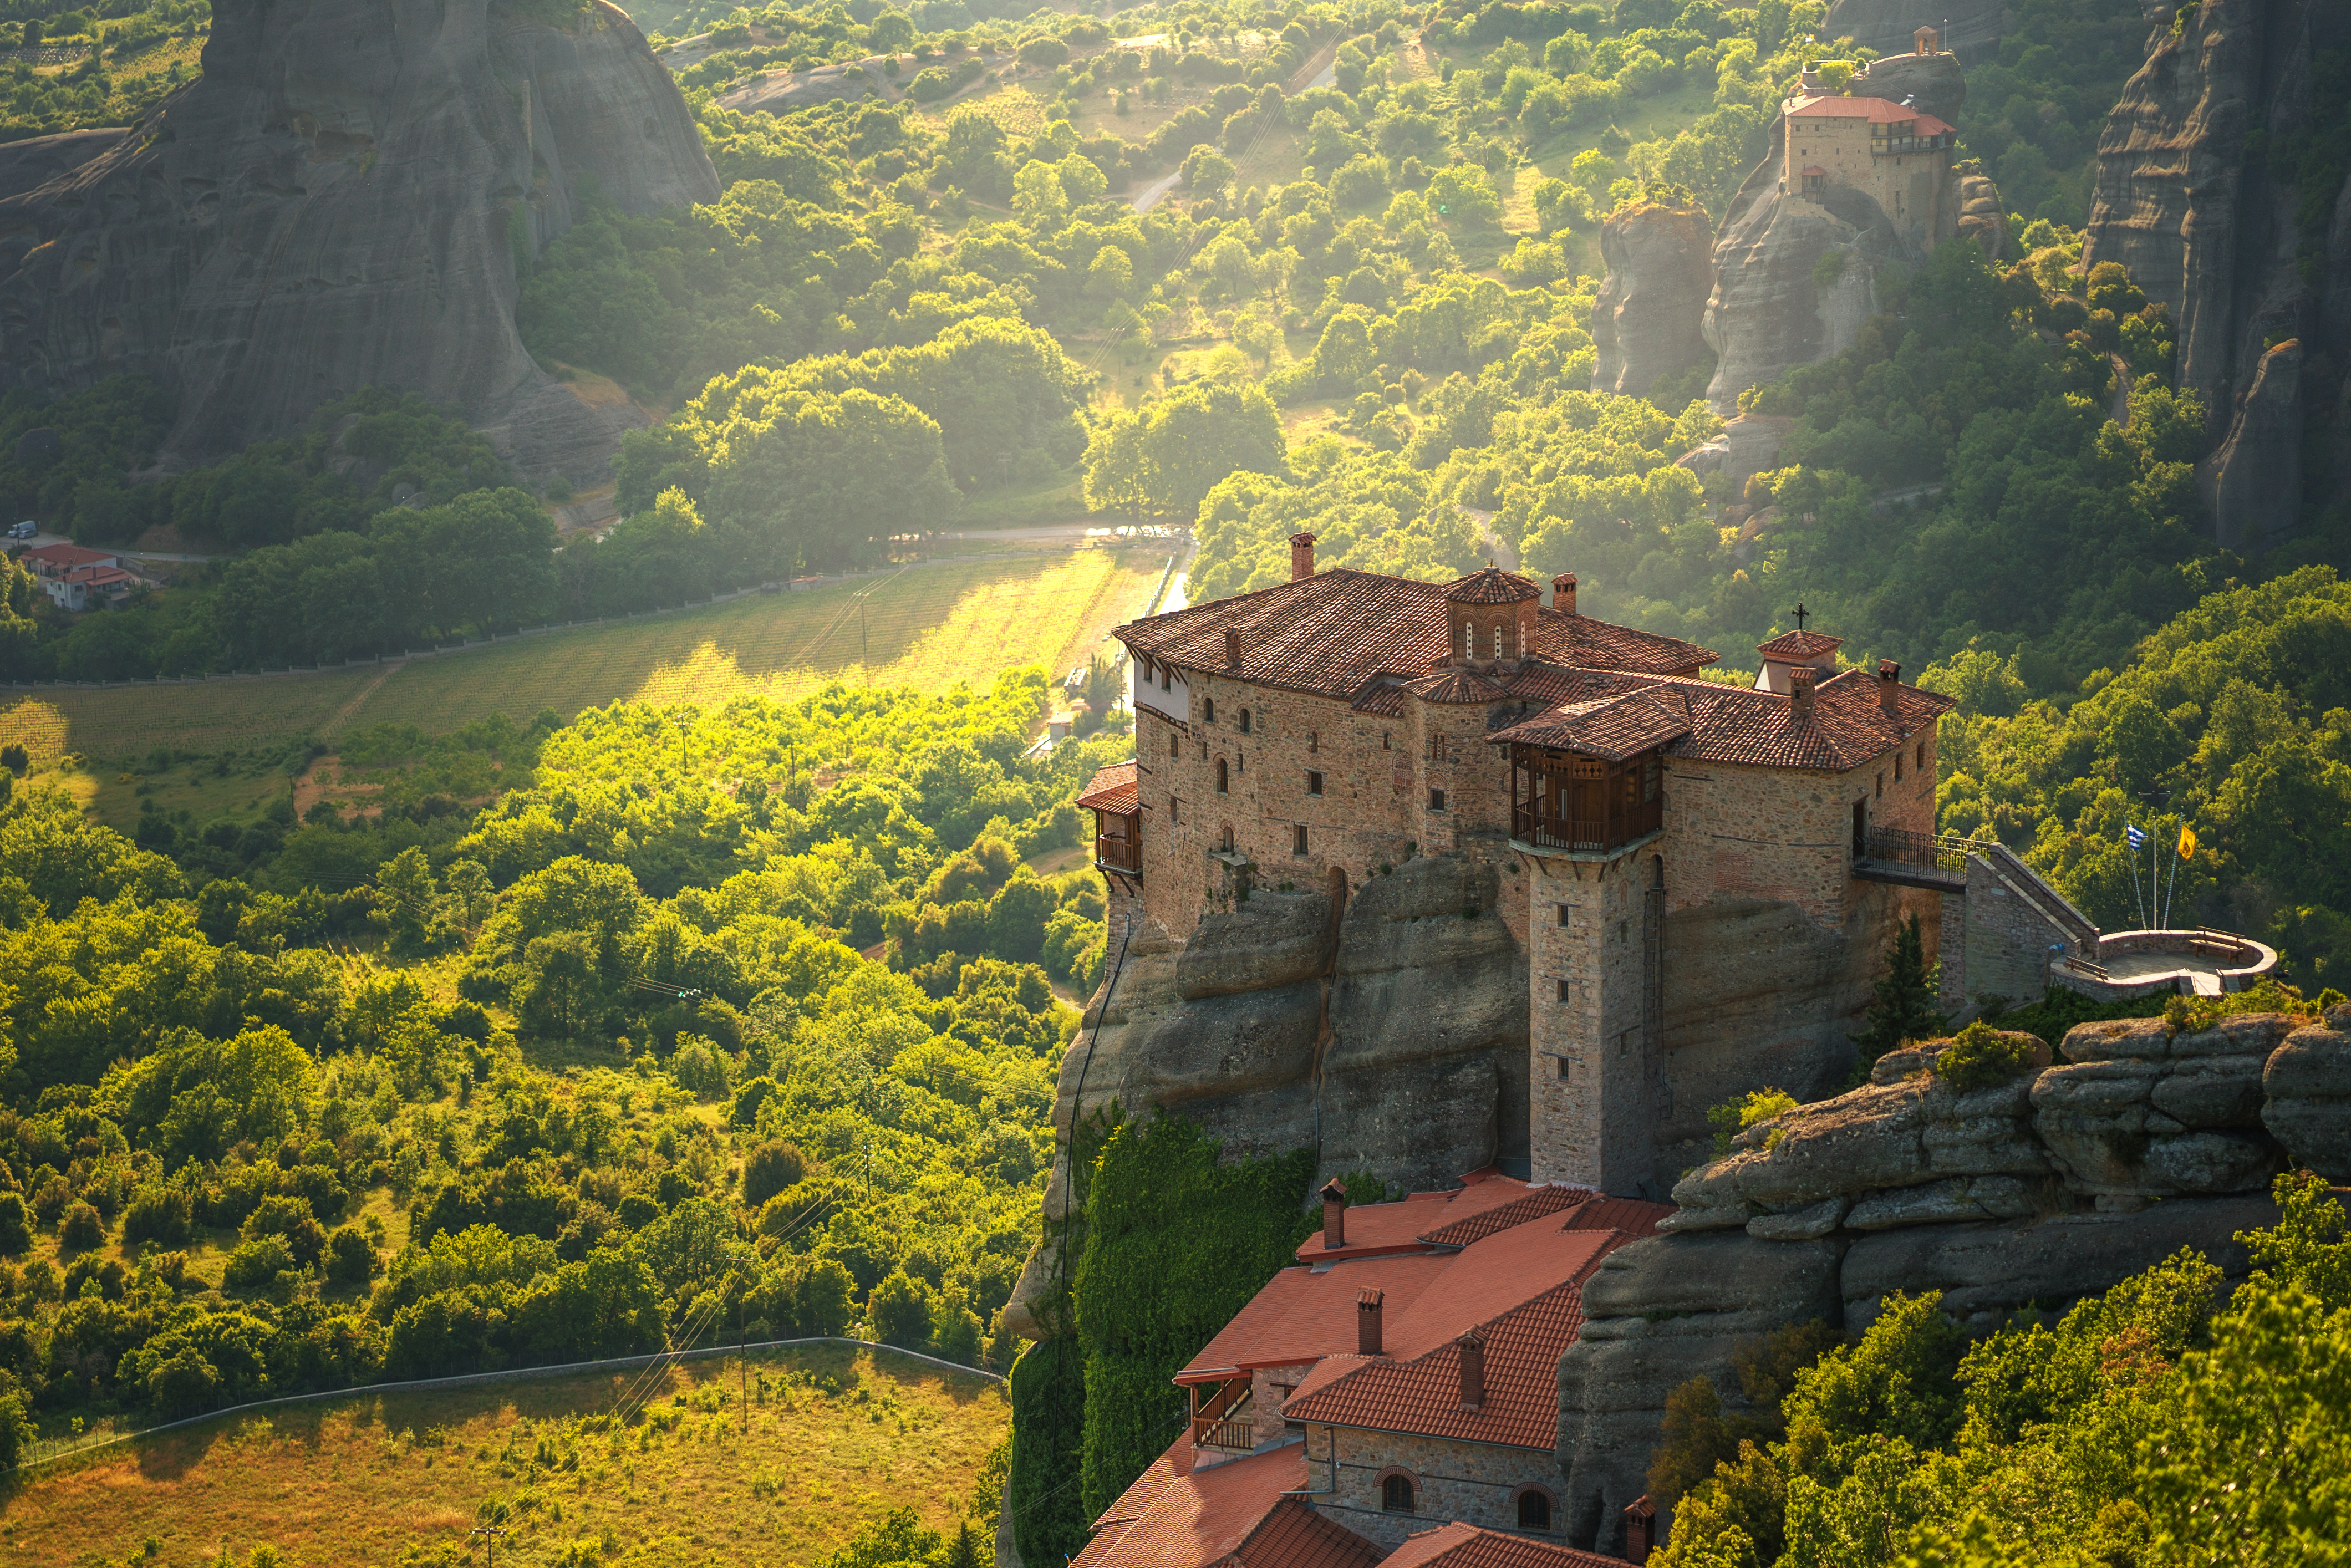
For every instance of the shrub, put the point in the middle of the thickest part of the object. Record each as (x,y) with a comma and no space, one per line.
(749,1095)
(1981,1056)
(289,1219)
(768,1170)
(1044,53)
(2188,1015)
(259,1262)
(1733,1117)
(50,1198)
(349,1259)
(158,1214)
(699,1068)
(15,1225)
(900,1309)
(80,1228)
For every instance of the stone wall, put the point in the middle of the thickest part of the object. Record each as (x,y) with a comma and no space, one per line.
(1475,1482)
(2009,938)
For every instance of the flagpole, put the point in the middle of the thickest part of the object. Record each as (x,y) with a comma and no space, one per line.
(2177,844)
(2136,899)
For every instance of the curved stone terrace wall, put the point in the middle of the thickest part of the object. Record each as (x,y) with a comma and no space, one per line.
(2197,962)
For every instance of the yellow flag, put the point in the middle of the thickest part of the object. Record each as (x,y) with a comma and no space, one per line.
(2187,842)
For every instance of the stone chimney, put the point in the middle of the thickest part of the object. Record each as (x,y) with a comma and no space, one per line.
(1563,593)
(1889,688)
(1473,1370)
(1334,1214)
(1799,690)
(1367,1320)
(1232,647)
(1301,556)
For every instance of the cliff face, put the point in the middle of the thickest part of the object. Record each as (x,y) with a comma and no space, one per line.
(2205,225)
(1775,303)
(338,203)
(1644,323)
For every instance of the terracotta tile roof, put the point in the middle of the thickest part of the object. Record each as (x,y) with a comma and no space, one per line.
(1373,1228)
(1386,698)
(1523,1291)
(1614,728)
(1793,646)
(66,555)
(1632,1215)
(1304,1314)
(1491,586)
(1456,688)
(1876,110)
(1542,1200)
(1814,169)
(1113,788)
(1333,633)
(1739,723)
(1230,1515)
(1459,1545)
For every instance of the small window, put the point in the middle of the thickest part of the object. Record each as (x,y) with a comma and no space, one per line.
(1563,916)
(1314,741)
(1208,709)
(1922,756)
(1565,1075)
(1437,800)
(1225,840)
(1313,782)
(1222,782)
(1388,740)
(1245,721)
(1881,785)
(1175,811)
(1534,1508)
(1298,846)
(1166,678)
(1396,1494)
(1175,747)
(1897,768)
(1562,990)
(1624,932)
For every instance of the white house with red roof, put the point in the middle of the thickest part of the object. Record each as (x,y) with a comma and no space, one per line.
(79,578)
(1402,1375)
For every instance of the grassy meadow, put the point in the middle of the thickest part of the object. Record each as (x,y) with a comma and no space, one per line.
(835,1436)
(927,626)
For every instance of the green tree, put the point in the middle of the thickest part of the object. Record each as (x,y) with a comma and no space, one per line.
(900,1309)
(1905,1006)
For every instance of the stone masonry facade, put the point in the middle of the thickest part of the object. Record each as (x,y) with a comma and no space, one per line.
(1478,1483)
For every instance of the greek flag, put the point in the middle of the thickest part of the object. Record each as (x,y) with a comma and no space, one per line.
(2137,838)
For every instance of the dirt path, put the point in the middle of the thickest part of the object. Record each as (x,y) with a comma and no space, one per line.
(342,715)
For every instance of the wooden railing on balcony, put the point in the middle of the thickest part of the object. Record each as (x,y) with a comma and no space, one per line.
(1118,843)
(1232,1435)
(1533,827)
(1561,801)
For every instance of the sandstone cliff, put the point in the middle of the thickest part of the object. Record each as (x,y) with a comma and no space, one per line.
(339,203)
(1776,303)
(2019,1195)
(2207,227)
(1932,84)
(1644,323)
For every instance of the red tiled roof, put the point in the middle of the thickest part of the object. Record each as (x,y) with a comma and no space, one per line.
(1230,1515)
(1632,1216)
(1459,1545)
(1304,1314)
(1113,788)
(1739,723)
(1373,1228)
(1542,1200)
(1814,169)
(1491,586)
(1614,728)
(1457,688)
(66,555)
(1523,1291)
(1796,646)
(1876,110)
(1332,632)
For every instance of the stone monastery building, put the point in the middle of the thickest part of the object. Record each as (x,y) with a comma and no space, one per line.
(1699,873)
(1897,155)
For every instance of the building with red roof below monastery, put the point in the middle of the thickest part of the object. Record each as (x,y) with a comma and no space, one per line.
(1701,875)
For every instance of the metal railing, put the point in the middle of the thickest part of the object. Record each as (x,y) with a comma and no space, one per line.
(1939,852)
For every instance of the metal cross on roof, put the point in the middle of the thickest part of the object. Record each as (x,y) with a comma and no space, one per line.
(1799,613)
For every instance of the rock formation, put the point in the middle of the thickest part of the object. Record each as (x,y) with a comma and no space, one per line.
(2213,232)
(339,203)
(2020,1195)
(1932,84)
(1660,270)
(1980,217)
(1775,303)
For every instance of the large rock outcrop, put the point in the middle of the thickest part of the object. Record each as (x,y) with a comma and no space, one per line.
(1981,217)
(1794,282)
(339,203)
(1932,84)
(2212,230)
(1645,324)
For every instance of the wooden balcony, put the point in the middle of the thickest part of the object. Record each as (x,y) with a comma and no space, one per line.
(1561,801)
(1223,1421)
(1232,1436)
(1118,844)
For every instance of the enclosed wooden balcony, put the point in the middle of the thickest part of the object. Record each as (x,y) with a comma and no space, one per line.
(1565,800)
(1223,1420)
(1115,798)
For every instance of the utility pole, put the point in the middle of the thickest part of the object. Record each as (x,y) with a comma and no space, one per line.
(742,1367)
(489,1534)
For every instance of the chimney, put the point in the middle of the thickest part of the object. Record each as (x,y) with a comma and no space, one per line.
(1367,1320)
(1334,1214)
(1232,647)
(1563,593)
(1889,688)
(1473,1370)
(1301,556)
(1799,690)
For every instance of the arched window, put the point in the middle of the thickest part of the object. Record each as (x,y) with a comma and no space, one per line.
(1221,776)
(1225,839)
(1208,709)
(1245,721)
(1396,1492)
(1534,1508)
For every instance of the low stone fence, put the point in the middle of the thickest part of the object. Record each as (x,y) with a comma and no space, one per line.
(2212,963)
